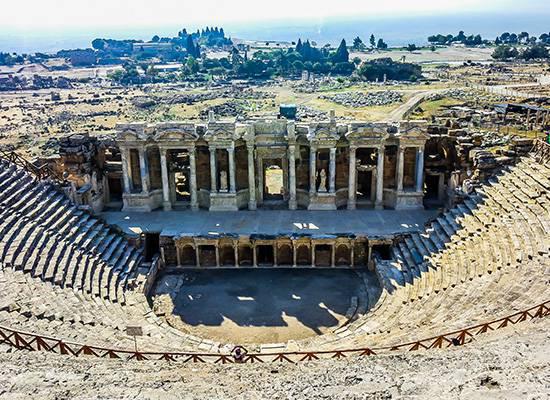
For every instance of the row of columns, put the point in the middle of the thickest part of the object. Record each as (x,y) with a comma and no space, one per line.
(419,168)
(145,180)
(400,166)
(313,170)
(214,168)
(127,170)
(352,184)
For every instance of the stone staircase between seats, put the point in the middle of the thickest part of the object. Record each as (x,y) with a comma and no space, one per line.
(481,260)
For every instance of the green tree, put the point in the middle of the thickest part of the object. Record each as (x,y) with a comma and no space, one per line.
(356,61)
(523,37)
(298,65)
(504,53)
(98,44)
(537,52)
(155,39)
(372,41)
(358,44)
(342,53)
(411,47)
(381,45)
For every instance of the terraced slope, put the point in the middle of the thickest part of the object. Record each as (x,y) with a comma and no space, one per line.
(481,260)
(43,234)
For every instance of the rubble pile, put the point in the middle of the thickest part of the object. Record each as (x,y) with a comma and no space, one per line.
(228,93)
(305,112)
(34,83)
(231,108)
(360,99)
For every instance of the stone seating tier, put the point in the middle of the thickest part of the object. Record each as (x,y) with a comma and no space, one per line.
(44,235)
(481,260)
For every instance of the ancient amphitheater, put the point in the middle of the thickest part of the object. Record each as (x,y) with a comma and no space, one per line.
(473,281)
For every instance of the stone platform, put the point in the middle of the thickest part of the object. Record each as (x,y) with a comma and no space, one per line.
(370,223)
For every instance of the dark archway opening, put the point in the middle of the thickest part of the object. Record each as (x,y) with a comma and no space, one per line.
(265,255)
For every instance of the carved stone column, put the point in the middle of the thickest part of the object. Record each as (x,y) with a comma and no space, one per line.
(400,168)
(126,170)
(167,205)
(232,170)
(197,255)
(236,253)
(352,191)
(292,204)
(251,178)
(332,171)
(213,173)
(420,169)
(144,170)
(379,203)
(312,170)
(217,255)
(193,180)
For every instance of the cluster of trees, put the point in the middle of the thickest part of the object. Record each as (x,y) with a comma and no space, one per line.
(304,56)
(358,44)
(535,52)
(185,43)
(470,40)
(513,38)
(505,38)
(11,59)
(385,67)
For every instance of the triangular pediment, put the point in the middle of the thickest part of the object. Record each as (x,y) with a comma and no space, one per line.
(183,133)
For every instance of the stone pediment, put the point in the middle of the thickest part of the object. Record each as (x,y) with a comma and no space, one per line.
(220,131)
(175,133)
(413,132)
(323,132)
(370,132)
(131,133)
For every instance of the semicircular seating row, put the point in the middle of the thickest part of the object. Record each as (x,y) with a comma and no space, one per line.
(45,235)
(481,260)
(65,273)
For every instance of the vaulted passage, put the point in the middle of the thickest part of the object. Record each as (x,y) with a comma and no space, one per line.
(246,252)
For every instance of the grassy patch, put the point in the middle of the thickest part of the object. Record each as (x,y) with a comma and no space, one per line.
(432,107)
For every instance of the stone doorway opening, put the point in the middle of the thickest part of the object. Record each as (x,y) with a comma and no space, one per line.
(152,245)
(434,184)
(274,187)
(180,177)
(365,181)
